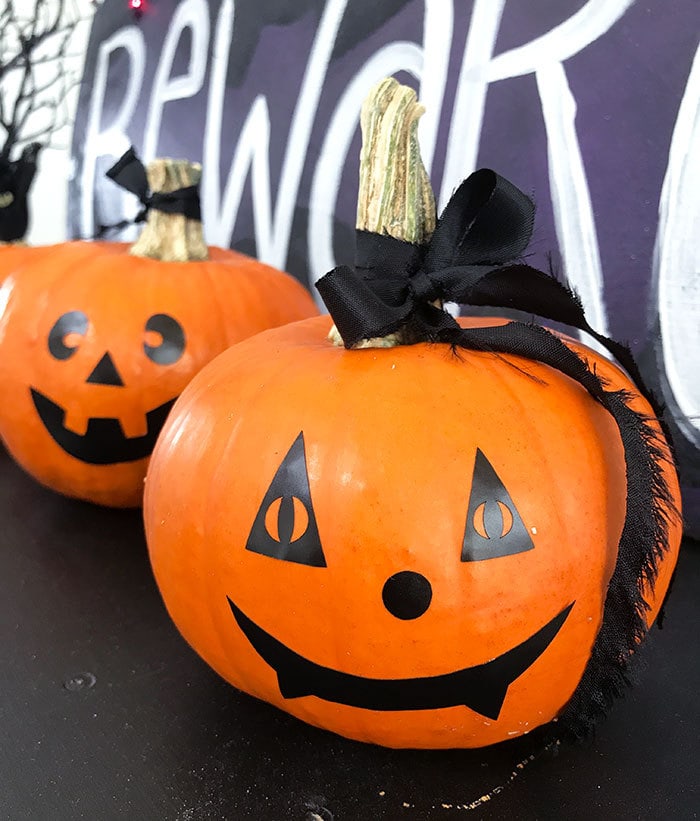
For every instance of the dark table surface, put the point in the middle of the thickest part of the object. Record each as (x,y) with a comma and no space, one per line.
(106,713)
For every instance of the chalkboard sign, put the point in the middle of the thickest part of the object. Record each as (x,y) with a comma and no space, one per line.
(593,107)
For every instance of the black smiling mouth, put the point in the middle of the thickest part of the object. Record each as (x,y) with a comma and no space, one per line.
(482,688)
(104,442)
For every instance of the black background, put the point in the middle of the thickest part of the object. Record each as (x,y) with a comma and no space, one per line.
(158,735)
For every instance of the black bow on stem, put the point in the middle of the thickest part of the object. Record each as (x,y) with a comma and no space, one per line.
(473,258)
(129,173)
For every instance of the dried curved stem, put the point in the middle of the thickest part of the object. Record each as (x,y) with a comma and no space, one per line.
(395,196)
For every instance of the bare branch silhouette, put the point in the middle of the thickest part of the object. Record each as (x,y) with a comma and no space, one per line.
(36,79)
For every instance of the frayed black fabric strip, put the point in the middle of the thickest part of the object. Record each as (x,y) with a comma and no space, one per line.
(645,533)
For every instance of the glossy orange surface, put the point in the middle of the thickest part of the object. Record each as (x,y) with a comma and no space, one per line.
(391,437)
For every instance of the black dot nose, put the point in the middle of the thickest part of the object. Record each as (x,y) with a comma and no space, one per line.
(407,595)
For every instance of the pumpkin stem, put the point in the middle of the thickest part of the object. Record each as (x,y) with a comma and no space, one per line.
(171,237)
(395,196)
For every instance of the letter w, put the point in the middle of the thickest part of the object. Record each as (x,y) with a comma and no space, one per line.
(271,234)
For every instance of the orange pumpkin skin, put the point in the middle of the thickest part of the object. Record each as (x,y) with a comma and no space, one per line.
(216,303)
(390,439)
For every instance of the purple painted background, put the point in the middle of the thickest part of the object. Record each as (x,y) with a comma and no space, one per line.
(627,85)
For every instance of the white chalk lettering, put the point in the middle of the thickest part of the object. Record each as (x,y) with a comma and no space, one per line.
(677,262)
(100,138)
(192,15)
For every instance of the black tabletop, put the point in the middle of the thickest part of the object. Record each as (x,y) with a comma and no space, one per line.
(106,713)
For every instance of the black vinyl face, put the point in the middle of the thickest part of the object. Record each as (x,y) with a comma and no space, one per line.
(285,529)
(104,441)
(482,689)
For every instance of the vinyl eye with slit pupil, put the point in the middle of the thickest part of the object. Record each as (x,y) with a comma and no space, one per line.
(285,525)
(494,526)
(493,519)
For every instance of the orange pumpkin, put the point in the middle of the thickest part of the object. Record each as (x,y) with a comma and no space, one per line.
(98,343)
(415,552)
(447,537)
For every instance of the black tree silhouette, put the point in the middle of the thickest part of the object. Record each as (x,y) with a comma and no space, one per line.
(35,81)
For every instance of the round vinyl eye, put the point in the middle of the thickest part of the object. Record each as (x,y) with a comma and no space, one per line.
(171,339)
(73,322)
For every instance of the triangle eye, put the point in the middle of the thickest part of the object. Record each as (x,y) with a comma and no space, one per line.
(285,524)
(494,527)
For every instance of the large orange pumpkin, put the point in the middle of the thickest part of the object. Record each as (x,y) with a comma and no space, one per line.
(399,545)
(444,542)
(96,344)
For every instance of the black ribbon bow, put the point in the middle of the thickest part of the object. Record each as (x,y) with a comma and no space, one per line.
(129,173)
(472,259)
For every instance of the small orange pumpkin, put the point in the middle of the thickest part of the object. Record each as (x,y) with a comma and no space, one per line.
(97,343)
(407,545)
